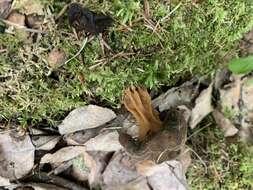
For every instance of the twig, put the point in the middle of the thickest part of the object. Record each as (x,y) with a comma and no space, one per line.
(63,10)
(104,61)
(146,8)
(56,180)
(196,132)
(81,49)
(22,27)
(171,12)
(3,50)
(200,159)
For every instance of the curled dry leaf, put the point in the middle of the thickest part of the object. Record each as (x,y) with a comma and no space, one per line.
(225,124)
(56,57)
(14,152)
(203,106)
(86,117)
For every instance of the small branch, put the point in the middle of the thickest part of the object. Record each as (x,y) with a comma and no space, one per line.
(56,180)
(63,10)
(22,27)
(171,12)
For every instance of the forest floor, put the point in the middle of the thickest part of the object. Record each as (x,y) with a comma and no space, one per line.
(157,45)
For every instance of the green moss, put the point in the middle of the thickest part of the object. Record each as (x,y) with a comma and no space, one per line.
(227,166)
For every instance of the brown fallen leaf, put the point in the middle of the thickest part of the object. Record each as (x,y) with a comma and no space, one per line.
(56,57)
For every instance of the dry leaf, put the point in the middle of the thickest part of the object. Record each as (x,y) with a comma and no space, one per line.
(16,155)
(169,176)
(86,117)
(5,6)
(45,142)
(17,18)
(107,141)
(119,171)
(63,155)
(56,57)
(96,163)
(203,106)
(230,96)
(225,124)
(4,181)
(182,95)
(81,137)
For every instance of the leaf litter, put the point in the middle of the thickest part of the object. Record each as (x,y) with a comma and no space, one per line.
(151,151)
(156,156)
